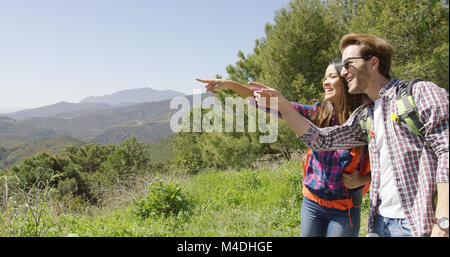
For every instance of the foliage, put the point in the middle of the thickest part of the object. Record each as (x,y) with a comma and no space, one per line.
(417,29)
(294,53)
(187,152)
(128,158)
(162,199)
(27,211)
(89,157)
(16,152)
(243,201)
(86,170)
(297,49)
(195,151)
(251,202)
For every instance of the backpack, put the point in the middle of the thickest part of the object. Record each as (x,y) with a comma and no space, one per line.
(364,169)
(406,108)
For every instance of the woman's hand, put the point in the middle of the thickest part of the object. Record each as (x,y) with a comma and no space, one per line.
(355,180)
(212,85)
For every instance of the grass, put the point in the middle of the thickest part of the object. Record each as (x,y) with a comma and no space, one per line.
(247,203)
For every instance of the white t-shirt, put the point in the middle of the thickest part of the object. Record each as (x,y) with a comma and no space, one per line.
(390,205)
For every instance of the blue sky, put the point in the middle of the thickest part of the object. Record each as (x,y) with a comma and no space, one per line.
(65,50)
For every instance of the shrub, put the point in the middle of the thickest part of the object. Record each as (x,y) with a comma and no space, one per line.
(162,199)
(127,159)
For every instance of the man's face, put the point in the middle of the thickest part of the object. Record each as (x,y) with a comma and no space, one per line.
(357,72)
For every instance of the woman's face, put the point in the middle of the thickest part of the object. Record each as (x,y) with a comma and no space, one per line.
(333,86)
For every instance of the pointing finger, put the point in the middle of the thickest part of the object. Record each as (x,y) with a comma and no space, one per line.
(203,80)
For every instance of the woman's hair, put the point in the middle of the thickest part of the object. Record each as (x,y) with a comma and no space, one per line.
(371,45)
(323,116)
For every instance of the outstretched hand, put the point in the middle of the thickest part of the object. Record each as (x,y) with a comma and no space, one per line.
(212,85)
(266,92)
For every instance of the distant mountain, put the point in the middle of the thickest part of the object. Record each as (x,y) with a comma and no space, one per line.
(57,109)
(90,104)
(141,95)
(148,122)
(4,110)
(6,119)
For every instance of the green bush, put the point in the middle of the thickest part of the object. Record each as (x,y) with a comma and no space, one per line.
(163,198)
(127,159)
(89,157)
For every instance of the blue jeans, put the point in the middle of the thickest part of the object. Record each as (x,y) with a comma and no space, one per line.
(388,227)
(319,221)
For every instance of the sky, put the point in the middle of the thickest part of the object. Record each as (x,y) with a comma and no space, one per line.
(66,50)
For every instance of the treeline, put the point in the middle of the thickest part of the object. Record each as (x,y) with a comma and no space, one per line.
(82,172)
(294,53)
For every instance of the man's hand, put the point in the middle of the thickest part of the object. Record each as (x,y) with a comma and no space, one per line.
(441,208)
(439,232)
(267,93)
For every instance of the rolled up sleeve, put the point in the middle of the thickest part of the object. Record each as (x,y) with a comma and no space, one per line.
(345,136)
(432,104)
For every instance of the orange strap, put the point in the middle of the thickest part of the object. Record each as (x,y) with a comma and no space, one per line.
(306,161)
(343,204)
(356,158)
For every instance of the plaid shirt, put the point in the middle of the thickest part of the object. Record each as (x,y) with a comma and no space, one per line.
(419,163)
(323,174)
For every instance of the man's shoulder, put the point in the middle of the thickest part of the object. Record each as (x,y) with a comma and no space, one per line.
(428,89)
(418,87)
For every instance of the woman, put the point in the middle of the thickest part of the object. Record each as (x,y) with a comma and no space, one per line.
(332,190)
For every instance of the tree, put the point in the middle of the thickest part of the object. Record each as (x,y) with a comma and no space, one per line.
(298,48)
(417,29)
(127,159)
(89,157)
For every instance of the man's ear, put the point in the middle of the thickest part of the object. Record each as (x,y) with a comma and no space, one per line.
(374,62)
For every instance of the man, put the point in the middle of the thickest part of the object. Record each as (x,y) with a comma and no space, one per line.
(407,170)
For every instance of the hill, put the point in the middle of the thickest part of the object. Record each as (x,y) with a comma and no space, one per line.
(8,140)
(25,129)
(54,145)
(141,95)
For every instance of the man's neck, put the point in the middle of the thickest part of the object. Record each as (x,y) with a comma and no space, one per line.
(374,87)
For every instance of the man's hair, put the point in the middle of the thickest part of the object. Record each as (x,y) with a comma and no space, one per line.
(371,45)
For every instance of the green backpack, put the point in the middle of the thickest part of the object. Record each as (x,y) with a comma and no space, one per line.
(406,108)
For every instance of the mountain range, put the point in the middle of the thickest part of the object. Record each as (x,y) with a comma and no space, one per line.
(102,122)
(94,103)
(133,96)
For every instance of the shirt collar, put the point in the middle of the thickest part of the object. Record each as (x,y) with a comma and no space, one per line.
(389,85)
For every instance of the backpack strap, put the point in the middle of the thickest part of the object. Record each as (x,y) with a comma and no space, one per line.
(407,109)
(364,121)
(306,161)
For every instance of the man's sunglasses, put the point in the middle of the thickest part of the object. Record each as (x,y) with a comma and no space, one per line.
(346,64)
